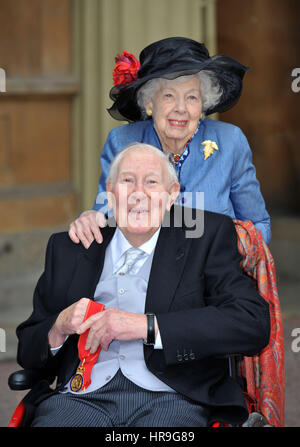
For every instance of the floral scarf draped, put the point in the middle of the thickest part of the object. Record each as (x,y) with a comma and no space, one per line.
(264,373)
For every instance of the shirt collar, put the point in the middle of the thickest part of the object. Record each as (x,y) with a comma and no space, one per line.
(119,244)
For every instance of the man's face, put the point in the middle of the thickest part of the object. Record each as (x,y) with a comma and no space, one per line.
(141,194)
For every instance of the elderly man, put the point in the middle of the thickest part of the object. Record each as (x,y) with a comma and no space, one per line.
(174,307)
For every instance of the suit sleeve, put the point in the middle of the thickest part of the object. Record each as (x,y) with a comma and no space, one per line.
(33,347)
(234,318)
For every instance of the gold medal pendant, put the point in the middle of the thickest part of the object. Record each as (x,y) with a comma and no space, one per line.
(77,380)
(76,383)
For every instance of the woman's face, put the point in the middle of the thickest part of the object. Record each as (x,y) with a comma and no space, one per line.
(176,110)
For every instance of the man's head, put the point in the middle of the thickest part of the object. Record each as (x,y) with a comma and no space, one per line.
(141,186)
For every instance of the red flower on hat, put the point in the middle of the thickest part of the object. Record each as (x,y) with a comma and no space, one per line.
(126,68)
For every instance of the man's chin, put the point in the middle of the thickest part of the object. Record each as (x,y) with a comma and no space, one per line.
(140,227)
(143,222)
(139,223)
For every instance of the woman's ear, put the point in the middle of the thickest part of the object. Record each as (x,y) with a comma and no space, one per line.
(149,108)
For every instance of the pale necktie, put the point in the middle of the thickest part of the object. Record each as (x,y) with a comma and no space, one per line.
(131,256)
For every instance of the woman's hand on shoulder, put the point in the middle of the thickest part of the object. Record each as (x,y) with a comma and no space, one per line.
(86,228)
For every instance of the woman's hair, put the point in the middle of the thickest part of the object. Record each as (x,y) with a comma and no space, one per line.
(210,90)
(114,167)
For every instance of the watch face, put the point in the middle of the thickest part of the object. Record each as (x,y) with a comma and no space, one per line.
(150,329)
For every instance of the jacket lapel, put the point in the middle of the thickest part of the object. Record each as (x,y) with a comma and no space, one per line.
(88,268)
(167,268)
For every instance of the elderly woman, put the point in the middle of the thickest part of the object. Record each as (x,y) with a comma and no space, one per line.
(166,98)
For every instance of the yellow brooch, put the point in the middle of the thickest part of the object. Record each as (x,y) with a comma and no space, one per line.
(209,147)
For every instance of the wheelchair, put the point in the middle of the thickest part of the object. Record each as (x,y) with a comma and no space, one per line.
(27,379)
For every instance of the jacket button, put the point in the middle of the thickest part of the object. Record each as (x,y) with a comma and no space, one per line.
(179,357)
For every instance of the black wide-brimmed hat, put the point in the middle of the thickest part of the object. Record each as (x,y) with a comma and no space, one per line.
(170,58)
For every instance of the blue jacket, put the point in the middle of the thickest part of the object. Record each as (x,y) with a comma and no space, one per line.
(227,177)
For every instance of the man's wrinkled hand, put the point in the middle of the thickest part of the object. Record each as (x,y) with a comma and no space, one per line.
(67,322)
(113,324)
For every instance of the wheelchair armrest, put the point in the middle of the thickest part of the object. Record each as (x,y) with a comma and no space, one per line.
(25,379)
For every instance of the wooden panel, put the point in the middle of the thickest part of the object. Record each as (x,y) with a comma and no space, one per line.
(265,35)
(66,85)
(5,145)
(36,135)
(20,214)
(36,35)
(36,114)
(158,19)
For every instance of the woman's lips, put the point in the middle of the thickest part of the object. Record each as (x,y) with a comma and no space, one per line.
(178,123)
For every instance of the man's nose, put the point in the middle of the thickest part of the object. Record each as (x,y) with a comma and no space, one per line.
(139,192)
(139,187)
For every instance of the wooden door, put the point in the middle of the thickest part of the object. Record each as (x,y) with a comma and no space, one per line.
(35,114)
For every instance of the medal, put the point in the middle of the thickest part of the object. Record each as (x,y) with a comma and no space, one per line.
(82,378)
(77,380)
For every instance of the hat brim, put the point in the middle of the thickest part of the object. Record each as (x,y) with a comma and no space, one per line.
(228,72)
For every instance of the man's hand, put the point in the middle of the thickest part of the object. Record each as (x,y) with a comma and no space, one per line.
(67,322)
(86,228)
(113,324)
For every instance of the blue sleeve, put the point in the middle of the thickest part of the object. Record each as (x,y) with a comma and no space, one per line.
(245,191)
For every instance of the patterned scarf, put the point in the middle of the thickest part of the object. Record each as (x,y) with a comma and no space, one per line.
(264,373)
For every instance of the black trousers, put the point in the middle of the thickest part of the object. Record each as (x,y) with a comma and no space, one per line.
(120,403)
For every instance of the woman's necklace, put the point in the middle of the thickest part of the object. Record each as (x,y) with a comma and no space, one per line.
(176,157)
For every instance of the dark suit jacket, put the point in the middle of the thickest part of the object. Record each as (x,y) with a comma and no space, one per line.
(205,306)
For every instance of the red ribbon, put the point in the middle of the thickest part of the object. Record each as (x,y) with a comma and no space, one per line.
(82,379)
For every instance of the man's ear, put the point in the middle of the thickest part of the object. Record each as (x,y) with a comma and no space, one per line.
(173,194)
(110,195)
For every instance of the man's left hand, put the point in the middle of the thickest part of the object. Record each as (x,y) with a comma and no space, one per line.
(113,324)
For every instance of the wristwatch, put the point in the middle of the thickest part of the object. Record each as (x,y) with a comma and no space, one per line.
(150,341)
